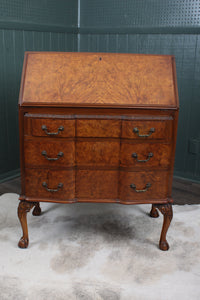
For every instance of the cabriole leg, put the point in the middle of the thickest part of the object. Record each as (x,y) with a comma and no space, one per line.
(23,208)
(166,210)
(37,209)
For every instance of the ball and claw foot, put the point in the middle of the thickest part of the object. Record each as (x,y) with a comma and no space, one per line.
(23,243)
(36,210)
(154,213)
(163,245)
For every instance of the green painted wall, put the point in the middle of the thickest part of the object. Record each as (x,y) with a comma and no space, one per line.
(42,15)
(27,25)
(133,26)
(158,27)
(140,16)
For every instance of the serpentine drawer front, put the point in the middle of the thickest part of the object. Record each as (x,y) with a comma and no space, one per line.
(102,129)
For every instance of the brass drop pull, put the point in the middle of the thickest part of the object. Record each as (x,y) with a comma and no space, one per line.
(133,186)
(60,154)
(136,130)
(44,127)
(134,155)
(60,185)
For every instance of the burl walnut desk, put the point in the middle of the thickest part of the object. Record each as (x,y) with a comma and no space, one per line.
(97,127)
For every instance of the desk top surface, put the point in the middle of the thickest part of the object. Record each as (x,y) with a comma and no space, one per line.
(98,79)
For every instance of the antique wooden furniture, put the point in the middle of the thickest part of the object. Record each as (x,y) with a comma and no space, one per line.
(97,127)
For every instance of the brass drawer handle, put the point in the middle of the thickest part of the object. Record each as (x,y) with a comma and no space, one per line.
(44,127)
(133,186)
(136,130)
(134,155)
(60,154)
(60,185)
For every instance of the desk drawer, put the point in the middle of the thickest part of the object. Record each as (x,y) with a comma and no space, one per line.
(52,127)
(53,153)
(97,153)
(98,128)
(48,184)
(97,184)
(145,155)
(147,129)
(143,185)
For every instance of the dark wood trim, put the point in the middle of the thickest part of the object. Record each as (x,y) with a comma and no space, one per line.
(17,25)
(179,176)
(21,143)
(99,117)
(86,200)
(9,175)
(123,111)
(91,105)
(173,152)
(139,30)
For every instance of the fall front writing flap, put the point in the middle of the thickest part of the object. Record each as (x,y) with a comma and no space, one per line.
(98,79)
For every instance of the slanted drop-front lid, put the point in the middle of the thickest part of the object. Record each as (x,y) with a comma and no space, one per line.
(98,79)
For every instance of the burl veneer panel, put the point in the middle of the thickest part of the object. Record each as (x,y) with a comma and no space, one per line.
(61,150)
(97,153)
(98,78)
(53,125)
(145,155)
(36,190)
(157,190)
(98,128)
(162,129)
(96,184)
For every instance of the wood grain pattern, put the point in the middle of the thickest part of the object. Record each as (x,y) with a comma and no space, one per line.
(98,128)
(97,184)
(98,153)
(35,178)
(157,179)
(53,126)
(99,99)
(163,129)
(161,155)
(34,148)
(98,78)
